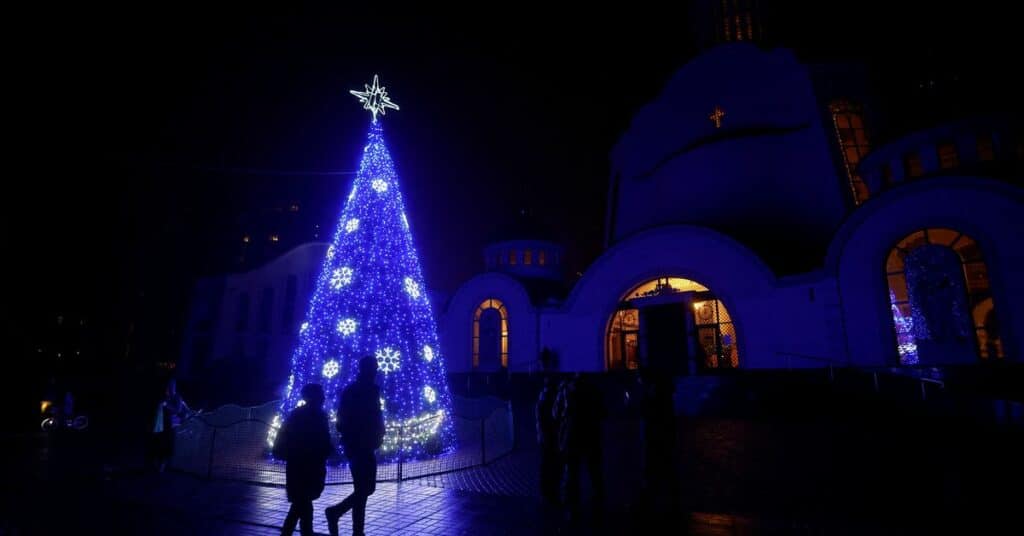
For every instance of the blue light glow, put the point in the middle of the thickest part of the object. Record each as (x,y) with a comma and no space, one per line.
(369,300)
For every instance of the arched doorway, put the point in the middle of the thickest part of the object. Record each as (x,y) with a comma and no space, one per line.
(671,324)
(941,303)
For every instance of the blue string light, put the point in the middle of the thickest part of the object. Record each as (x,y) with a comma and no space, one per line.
(369,300)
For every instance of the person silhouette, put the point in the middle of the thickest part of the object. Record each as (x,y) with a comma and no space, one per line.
(580,411)
(547,438)
(361,426)
(170,413)
(304,443)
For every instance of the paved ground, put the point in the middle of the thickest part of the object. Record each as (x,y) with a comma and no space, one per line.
(735,477)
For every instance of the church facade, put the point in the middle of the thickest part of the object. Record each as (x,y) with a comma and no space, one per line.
(751,224)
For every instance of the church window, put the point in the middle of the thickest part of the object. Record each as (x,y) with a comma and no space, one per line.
(266,309)
(541,257)
(939,296)
(912,165)
(986,152)
(947,155)
(513,257)
(852,137)
(886,175)
(490,335)
(738,20)
(528,257)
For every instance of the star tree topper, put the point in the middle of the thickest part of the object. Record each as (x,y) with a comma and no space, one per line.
(375,98)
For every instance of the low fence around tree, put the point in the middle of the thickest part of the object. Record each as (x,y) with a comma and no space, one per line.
(231,443)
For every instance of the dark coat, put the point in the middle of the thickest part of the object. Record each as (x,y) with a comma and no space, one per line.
(360,419)
(304,442)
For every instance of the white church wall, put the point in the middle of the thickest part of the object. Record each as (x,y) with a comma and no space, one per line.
(739,279)
(456,324)
(988,211)
(271,344)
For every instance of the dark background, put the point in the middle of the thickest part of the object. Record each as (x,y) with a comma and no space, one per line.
(150,141)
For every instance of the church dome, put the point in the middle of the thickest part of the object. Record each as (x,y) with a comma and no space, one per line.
(735,142)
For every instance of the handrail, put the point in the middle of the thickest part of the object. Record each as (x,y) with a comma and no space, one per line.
(874,371)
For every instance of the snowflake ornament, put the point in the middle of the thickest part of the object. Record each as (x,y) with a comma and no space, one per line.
(347,326)
(387,360)
(352,225)
(341,277)
(330,369)
(412,288)
(429,394)
(379,185)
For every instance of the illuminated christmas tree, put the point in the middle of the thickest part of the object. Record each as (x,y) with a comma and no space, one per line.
(370,299)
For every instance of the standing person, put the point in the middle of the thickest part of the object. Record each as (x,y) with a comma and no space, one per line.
(361,426)
(581,409)
(304,443)
(547,438)
(170,413)
(659,433)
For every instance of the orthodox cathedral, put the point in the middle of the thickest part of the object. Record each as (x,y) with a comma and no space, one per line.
(751,222)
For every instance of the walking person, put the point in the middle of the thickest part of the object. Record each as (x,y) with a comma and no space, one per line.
(304,443)
(361,426)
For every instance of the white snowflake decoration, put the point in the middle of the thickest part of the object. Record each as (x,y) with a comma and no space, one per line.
(304,327)
(412,288)
(380,185)
(300,404)
(387,360)
(351,225)
(429,394)
(347,326)
(428,353)
(330,369)
(341,277)
(330,252)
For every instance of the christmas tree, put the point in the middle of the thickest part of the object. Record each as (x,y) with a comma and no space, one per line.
(370,299)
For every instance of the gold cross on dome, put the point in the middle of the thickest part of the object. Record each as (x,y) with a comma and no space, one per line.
(716,116)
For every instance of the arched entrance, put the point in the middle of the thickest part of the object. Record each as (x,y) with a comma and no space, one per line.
(672,324)
(940,298)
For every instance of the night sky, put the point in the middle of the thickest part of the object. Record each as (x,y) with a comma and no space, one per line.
(133,126)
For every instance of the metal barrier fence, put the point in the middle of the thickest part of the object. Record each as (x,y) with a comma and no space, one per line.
(231,443)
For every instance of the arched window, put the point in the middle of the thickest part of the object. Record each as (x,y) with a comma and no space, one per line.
(852,136)
(490,336)
(707,330)
(940,299)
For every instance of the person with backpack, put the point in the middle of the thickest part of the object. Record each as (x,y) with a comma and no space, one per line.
(361,426)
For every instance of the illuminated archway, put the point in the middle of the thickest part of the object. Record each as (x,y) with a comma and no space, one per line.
(490,332)
(710,325)
(939,294)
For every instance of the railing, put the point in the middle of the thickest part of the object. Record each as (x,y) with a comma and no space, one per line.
(231,443)
(876,373)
